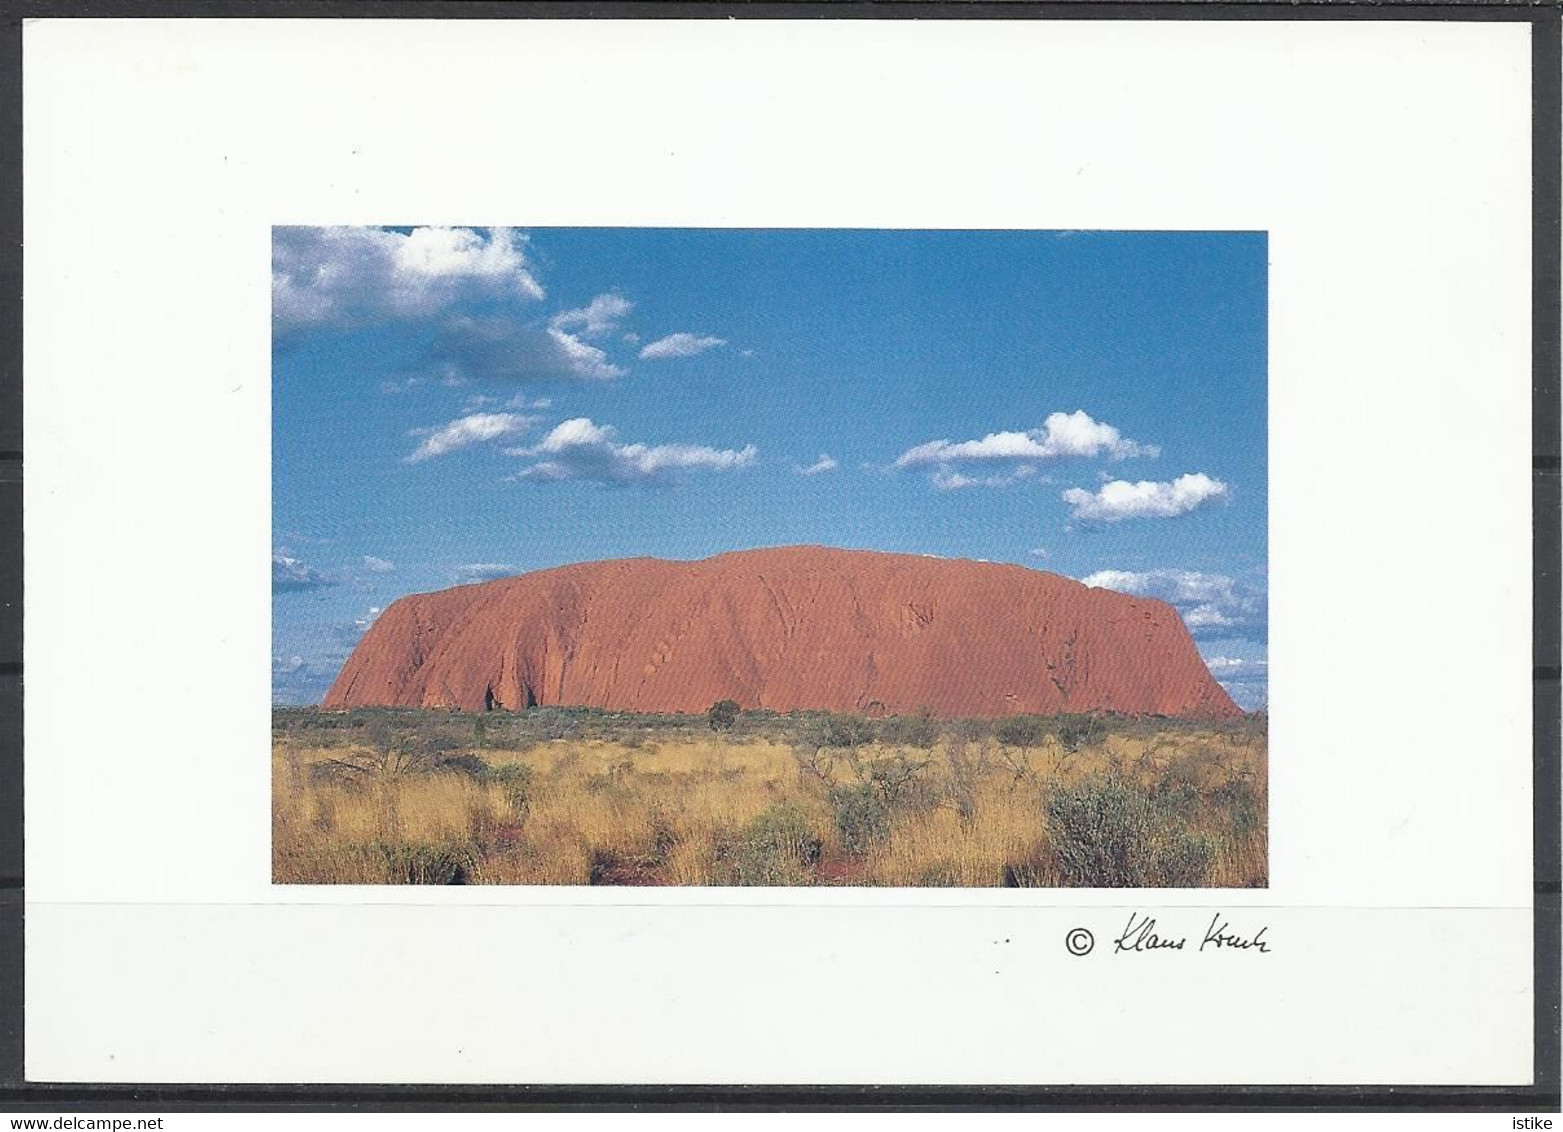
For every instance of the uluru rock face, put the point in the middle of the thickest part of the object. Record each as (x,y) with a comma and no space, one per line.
(788,629)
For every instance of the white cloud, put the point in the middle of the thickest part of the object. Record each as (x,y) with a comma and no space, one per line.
(502,349)
(520,401)
(1076,434)
(475,428)
(378,565)
(1061,435)
(295,680)
(823,464)
(1148,499)
(583,359)
(1235,668)
(1211,605)
(946,480)
(289,575)
(1248,695)
(484,572)
(580,449)
(1039,552)
(1246,680)
(680,345)
(1207,617)
(349,277)
(1179,587)
(600,316)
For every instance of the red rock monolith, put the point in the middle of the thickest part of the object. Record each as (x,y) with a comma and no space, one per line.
(788,629)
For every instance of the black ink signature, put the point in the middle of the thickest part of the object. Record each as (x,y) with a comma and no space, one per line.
(1219,934)
(1140,935)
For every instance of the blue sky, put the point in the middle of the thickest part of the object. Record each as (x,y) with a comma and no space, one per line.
(456,404)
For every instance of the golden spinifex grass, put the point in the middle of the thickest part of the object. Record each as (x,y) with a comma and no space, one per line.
(559,797)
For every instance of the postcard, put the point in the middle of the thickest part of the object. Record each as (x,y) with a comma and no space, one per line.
(800,552)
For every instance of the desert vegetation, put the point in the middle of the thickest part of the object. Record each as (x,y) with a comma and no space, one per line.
(579,796)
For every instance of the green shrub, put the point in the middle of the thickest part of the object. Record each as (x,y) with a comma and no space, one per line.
(552,723)
(470,765)
(847,732)
(426,864)
(974,730)
(920,731)
(1077,731)
(723,714)
(1178,798)
(1022,731)
(1109,833)
(777,848)
(862,816)
(516,781)
(1183,861)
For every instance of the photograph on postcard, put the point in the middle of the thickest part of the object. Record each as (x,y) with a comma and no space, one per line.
(612,556)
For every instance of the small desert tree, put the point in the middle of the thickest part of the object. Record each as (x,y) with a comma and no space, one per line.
(1017,736)
(723,714)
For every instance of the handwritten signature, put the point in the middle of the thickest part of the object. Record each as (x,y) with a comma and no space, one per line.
(1141,935)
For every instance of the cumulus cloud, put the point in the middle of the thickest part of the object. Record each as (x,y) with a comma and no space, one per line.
(823,464)
(483,572)
(1147,499)
(475,428)
(600,316)
(680,345)
(378,565)
(581,449)
(1061,435)
(1211,605)
(502,349)
(289,575)
(583,359)
(351,277)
